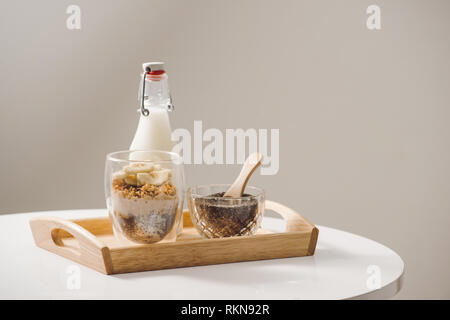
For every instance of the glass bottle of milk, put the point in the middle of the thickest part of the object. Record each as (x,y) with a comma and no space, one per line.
(153,131)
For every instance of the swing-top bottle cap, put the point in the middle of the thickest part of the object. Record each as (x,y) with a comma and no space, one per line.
(153,67)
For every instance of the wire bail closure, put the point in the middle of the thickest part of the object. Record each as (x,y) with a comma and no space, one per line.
(144,111)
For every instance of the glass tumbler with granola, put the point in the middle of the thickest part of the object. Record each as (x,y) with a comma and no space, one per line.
(144,194)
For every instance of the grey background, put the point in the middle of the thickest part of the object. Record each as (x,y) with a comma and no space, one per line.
(363,115)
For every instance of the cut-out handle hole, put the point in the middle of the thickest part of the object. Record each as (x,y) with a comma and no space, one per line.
(275,220)
(65,240)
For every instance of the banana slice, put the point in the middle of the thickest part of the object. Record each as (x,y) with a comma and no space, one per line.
(160,176)
(143,178)
(137,167)
(156,177)
(119,175)
(131,179)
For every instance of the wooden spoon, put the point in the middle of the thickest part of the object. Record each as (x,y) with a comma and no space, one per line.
(237,188)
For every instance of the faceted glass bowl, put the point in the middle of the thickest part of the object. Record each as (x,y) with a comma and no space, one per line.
(217,217)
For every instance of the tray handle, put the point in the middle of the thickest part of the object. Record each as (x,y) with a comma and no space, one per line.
(294,220)
(48,233)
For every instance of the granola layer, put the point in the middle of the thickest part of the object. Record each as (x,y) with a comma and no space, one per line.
(165,191)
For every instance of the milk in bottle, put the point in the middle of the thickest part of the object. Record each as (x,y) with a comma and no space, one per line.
(153,131)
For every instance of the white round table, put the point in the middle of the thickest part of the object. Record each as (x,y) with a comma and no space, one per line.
(344,266)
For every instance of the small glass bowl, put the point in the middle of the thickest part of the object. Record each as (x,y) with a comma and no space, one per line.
(217,217)
(144,195)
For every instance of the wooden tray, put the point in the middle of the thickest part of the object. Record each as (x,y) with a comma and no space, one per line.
(91,242)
